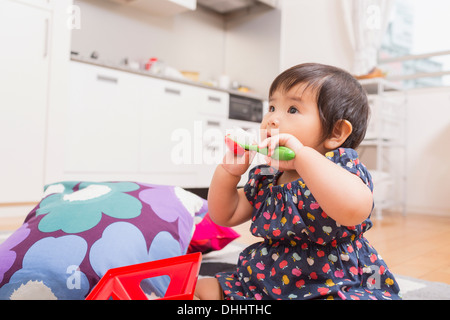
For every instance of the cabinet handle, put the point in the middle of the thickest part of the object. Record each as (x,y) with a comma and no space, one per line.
(172,91)
(213,123)
(46,25)
(107,79)
(214,99)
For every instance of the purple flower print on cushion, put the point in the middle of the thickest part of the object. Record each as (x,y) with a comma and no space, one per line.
(8,256)
(172,204)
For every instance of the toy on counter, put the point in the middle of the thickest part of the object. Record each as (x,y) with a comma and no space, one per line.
(123,283)
(237,142)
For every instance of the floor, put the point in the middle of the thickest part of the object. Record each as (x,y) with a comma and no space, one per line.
(417,246)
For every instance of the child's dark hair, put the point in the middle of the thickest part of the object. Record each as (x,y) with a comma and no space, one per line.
(339,96)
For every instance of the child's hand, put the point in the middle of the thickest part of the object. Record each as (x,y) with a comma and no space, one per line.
(283,139)
(237,165)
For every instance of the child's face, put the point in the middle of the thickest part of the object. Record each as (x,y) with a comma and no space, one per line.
(295,112)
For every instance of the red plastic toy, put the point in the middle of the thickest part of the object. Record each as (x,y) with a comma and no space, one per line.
(124,283)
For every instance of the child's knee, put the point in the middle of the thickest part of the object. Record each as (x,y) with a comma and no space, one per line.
(208,289)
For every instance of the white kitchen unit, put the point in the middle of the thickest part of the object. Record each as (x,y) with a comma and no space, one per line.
(103,117)
(120,126)
(28,32)
(128,125)
(176,131)
(212,121)
(168,110)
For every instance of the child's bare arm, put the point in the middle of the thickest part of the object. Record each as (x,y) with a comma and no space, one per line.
(228,206)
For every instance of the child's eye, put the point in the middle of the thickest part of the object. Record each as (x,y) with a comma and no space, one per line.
(271,109)
(292,110)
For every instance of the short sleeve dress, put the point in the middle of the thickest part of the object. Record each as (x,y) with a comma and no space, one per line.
(305,254)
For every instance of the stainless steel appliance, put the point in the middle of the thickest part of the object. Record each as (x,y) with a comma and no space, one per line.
(245,108)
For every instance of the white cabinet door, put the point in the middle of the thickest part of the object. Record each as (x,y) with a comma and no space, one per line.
(212,113)
(183,133)
(103,120)
(167,145)
(24,66)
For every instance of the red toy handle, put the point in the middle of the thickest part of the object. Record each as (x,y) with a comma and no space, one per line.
(234,146)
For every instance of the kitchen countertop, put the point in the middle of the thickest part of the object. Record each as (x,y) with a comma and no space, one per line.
(118,67)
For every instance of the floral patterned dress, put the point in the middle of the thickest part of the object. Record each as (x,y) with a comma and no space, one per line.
(305,253)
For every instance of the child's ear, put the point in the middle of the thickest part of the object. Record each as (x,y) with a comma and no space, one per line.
(342,129)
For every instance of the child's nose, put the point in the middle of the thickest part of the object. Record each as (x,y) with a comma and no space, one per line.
(274,121)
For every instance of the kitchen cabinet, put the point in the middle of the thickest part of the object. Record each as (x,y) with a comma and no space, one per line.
(127,126)
(25,33)
(103,117)
(212,114)
(130,126)
(166,116)
(33,77)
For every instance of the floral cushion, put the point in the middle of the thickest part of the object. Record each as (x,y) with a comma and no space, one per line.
(81,229)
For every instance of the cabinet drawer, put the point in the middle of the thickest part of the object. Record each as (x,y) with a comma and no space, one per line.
(212,102)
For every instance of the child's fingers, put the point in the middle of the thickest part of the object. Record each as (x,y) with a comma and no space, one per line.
(264,143)
(271,143)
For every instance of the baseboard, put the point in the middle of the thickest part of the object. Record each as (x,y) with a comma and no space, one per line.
(16,209)
(440,212)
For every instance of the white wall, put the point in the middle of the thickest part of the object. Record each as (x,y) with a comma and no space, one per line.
(314,31)
(252,49)
(428,152)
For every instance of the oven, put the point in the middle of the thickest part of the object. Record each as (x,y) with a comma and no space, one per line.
(245,108)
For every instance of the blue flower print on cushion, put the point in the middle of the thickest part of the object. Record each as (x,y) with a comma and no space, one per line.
(82,209)
(7,255)
(123,244)
(50,271)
